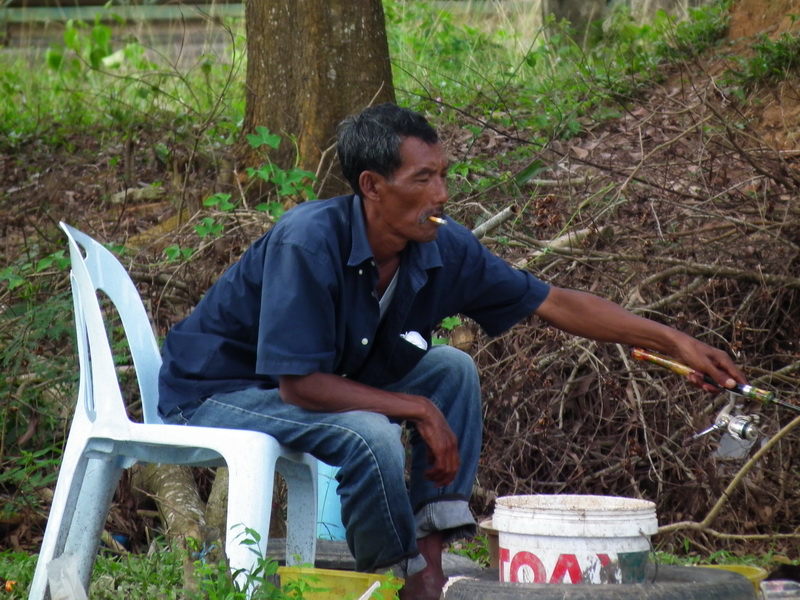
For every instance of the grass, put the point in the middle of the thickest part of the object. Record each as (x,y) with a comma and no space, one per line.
(159,574)
(94,79)
(721,557)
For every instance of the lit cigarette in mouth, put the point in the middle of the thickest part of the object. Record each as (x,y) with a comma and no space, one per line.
(437,220)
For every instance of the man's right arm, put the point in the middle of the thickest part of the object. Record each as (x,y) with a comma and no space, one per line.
(324,392)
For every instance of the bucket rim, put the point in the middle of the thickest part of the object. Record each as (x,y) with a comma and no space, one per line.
(573,515)
(588,502)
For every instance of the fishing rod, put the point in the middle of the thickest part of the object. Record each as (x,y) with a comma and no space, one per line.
(748,391)
(741,427)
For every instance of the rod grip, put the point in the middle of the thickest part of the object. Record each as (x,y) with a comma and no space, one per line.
(748,391)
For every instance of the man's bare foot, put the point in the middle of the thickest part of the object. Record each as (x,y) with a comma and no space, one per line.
(428,583)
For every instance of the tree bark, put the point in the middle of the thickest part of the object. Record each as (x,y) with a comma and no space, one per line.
(310,64)
(580,14)
(182,513)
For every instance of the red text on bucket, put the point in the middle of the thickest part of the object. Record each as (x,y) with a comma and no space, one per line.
(581,567)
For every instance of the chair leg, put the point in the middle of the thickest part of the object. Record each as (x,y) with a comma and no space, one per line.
(249,507)
(62,510)
(83,540)
(301,535)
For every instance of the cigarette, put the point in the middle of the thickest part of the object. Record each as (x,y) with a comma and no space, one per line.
(437,220)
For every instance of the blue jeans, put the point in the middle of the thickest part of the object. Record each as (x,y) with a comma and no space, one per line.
(382,515)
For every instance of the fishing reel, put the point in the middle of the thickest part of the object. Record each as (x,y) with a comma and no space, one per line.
(741,427)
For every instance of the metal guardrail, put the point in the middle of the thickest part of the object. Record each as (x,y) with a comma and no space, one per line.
(170,12)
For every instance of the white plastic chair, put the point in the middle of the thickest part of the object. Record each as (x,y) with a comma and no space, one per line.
(103,441)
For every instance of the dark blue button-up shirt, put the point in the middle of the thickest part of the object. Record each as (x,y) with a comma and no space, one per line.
(302,300)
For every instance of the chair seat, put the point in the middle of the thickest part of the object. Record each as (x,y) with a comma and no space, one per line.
(177,444)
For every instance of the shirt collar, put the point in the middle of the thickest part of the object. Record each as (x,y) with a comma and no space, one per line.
(426,255)
(360,250)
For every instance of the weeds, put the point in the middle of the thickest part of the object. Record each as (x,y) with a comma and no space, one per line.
(94,81)
(700,33)
(159,574)
(774,60)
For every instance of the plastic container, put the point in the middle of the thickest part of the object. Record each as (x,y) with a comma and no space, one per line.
(329,584)
(487,528)
(755,574)
(329,507)
(574,538)
(780,589)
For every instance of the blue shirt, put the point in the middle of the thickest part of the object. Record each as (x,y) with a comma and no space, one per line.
(302,300)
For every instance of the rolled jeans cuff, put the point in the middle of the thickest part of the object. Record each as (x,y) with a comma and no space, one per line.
(451,517)
(407,566)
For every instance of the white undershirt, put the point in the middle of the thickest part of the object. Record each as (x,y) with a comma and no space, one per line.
(388,294)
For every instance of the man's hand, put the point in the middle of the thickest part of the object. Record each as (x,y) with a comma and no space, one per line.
(442,446)
(707,361)
(331,393)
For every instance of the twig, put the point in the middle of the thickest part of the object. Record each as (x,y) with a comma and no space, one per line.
(495,221)
(704,525)
(657,149)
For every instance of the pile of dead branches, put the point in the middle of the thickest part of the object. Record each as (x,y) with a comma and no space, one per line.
(685,211)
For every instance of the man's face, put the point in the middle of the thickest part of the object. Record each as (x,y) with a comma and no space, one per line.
(414,192)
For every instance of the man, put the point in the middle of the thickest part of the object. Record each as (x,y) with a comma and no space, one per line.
(320,336)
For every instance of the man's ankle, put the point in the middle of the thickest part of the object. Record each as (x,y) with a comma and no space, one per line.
(428,583)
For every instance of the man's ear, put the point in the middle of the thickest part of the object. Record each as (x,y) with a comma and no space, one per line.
(369,182)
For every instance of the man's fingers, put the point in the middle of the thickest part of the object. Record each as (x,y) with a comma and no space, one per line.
(444,466)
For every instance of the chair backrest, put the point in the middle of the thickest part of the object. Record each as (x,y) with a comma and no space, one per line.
(95,268)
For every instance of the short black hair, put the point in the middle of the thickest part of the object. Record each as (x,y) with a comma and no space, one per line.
(370,140)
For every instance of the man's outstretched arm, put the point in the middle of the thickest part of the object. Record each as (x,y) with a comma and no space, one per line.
(595,318)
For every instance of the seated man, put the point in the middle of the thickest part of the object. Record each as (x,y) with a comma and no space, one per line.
(320,335)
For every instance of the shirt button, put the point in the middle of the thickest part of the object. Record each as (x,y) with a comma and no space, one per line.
(372,262)
(361,271)
(364,342)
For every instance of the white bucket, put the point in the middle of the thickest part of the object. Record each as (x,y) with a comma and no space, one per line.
(574,539)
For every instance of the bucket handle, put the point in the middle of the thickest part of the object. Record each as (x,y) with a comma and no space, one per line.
(653,554)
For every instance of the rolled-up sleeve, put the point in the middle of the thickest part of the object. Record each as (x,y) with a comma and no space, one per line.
(490,291)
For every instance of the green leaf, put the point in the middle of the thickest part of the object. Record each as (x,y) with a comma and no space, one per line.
(263,137)
(221,201)
(529,172)
(55,58)
(12,276)
(44,263)
(450,323)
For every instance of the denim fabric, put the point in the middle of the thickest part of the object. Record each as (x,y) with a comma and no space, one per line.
(382,515)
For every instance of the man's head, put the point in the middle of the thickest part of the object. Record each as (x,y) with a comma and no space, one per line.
(370,140)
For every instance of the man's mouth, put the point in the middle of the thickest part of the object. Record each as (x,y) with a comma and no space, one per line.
(437,218)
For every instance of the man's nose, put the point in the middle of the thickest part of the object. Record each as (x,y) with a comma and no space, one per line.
(441,193)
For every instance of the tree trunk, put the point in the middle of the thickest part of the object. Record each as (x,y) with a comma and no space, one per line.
(644,11)
(580,14)
(182,513)
(310,64)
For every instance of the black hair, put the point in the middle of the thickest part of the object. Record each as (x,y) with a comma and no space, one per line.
(370,140)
